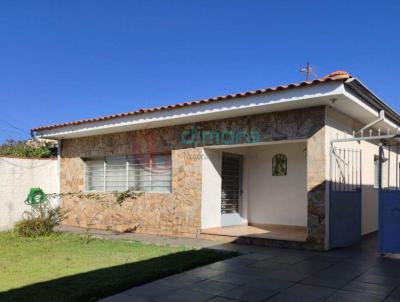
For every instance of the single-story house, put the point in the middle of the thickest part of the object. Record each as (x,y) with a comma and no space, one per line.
(259,166)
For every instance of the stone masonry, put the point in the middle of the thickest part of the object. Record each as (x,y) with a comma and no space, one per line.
(178,212)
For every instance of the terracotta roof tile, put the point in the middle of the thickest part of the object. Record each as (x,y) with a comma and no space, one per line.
(334,76)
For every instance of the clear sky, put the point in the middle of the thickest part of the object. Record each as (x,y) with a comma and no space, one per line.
(67,60)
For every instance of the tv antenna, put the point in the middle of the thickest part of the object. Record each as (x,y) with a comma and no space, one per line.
(309,71)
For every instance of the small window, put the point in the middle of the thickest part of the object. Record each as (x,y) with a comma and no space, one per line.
(144,173)
(279,165)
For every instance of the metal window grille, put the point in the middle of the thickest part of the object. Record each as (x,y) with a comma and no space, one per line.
(143,173)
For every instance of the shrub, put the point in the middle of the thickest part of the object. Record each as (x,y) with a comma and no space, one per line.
(30,149)
(41,220)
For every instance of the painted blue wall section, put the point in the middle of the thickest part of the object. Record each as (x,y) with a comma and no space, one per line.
(389,221)
(344,218)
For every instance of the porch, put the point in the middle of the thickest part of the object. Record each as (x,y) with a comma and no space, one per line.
(247,197)
(275,232)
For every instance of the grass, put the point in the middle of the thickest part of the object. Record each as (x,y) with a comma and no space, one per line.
(63,268)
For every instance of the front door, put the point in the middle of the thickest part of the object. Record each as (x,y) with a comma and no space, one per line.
(231,189)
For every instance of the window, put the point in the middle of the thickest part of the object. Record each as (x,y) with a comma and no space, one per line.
(145,173)
(279,165)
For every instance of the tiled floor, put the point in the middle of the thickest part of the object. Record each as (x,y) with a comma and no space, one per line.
(280,232)
(271,274)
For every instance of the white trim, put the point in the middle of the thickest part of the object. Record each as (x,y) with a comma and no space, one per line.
(300,97)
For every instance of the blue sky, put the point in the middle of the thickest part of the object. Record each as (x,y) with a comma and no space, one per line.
(67,60)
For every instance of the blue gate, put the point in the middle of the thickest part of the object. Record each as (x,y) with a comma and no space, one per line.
(345,198)
(389,199)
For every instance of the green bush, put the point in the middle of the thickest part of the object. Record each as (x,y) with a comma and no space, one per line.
(28,149)
(40,221)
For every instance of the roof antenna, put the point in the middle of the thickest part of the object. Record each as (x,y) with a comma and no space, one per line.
(308,70)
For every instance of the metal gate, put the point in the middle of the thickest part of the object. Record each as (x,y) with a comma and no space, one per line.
(389,198)
(231,189)
(345,197)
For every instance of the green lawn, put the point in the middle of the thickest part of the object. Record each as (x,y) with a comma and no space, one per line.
(63,268)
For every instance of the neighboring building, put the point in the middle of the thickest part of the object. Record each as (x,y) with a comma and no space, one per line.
(255,166)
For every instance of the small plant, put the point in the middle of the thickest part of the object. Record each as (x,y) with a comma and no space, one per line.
(40,221)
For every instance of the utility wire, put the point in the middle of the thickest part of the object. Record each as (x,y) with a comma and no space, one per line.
(12,126)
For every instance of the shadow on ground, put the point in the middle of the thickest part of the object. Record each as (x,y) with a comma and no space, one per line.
(91,286)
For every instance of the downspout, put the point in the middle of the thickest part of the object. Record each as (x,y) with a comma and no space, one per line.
(380,119)
(362,137)
(59,172)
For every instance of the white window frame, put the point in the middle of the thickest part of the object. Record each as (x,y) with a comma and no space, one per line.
(104,159)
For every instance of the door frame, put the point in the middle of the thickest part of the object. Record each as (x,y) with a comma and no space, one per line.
(233,218)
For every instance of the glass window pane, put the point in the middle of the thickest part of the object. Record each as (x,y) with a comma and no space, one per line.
(94,178)
(139,174)
(161,173)
(116,173)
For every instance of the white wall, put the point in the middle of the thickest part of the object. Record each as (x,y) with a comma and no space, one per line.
(266,199)
(17,176)
(211,188)
(339,125)
(278,199)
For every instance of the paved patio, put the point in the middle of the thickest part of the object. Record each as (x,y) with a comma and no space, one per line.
(272,274)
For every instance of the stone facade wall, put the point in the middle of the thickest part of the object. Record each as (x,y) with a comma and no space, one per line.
(176,213)
(179,212)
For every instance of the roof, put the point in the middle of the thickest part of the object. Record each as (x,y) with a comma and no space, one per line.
(334,76)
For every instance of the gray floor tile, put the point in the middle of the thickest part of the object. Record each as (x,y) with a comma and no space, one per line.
(185,295)
(346,296)
(213,286)
(382,270)
(310,291)
(344,273)
(263,273)
(230,266)
(124,298)
(270,265)
(202,273)
(289,258)
(179,281)
(248,294)
(231,278)
(220,299)
(269,283)
(396,293)
(150,290)
(377,279)
(310,266)
(325,281)
(369,288)
(286,274)
(285,297)
(258,256)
